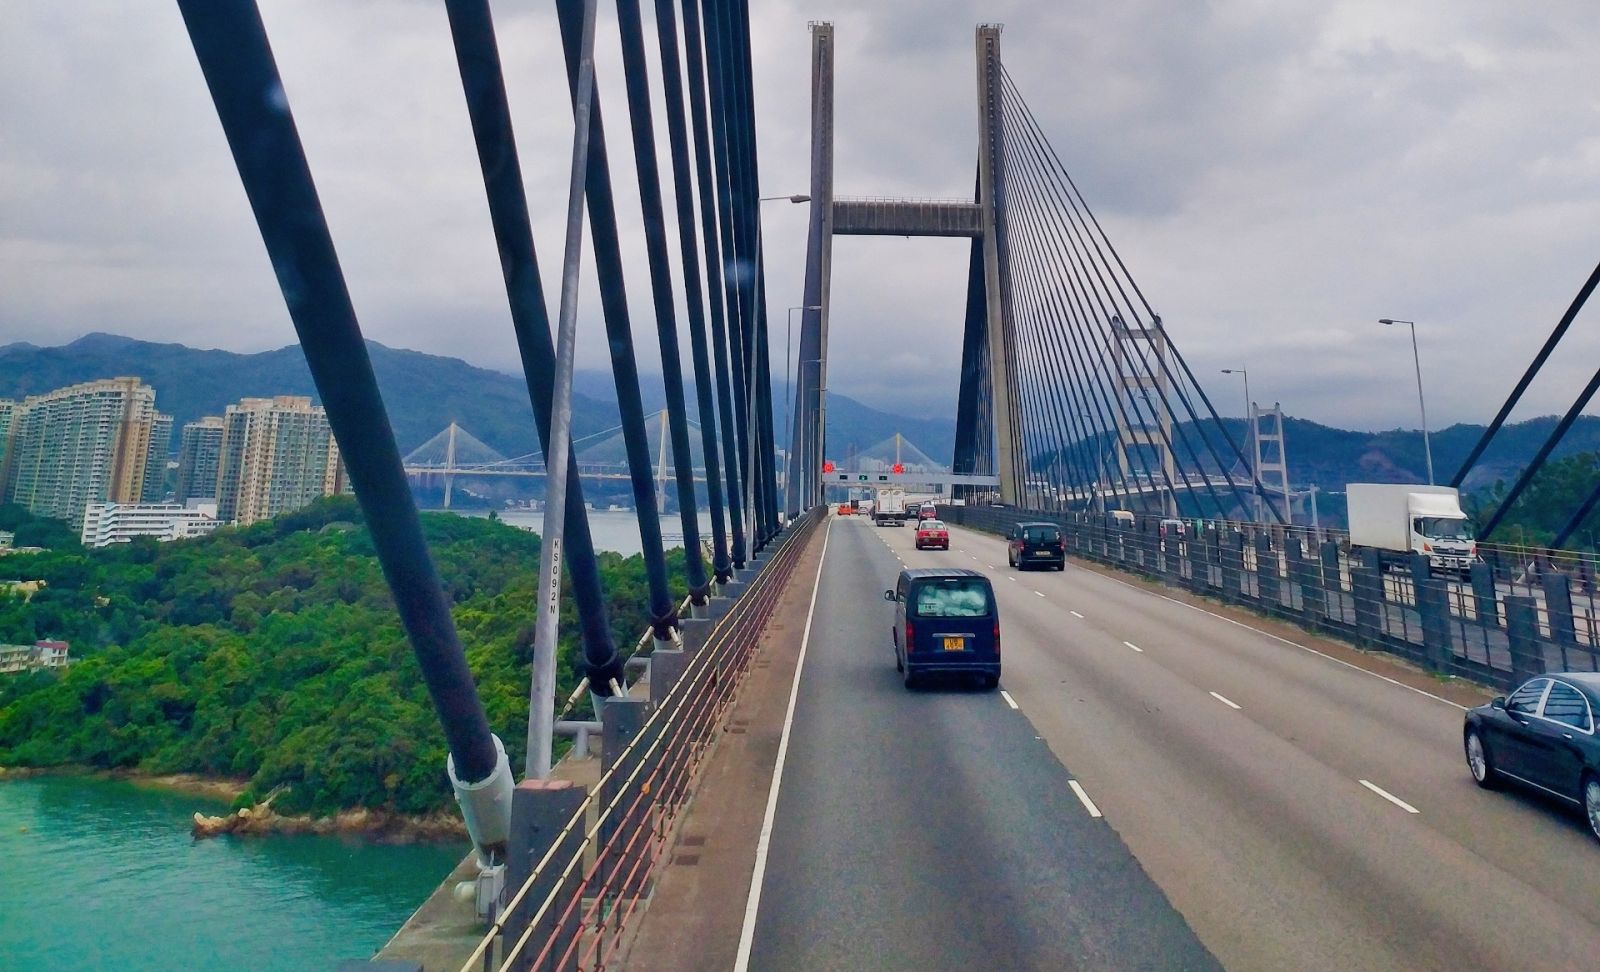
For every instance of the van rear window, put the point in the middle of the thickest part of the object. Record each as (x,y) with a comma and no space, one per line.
(1041,534)
(958,597)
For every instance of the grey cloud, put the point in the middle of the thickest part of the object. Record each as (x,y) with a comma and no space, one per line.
(1277,176)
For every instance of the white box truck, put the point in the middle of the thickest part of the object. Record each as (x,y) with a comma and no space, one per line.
(1400,519)
(889,506)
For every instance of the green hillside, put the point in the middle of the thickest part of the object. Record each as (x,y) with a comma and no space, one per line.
(273,653)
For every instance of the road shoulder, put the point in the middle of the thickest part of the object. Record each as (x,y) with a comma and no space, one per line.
(696,912)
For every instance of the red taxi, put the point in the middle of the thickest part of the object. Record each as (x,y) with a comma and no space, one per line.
(932,533)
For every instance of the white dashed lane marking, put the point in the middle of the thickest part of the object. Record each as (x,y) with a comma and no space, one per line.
(1076,615)
(1226,701)
(1009,700)
(1380,791)
(1134,647)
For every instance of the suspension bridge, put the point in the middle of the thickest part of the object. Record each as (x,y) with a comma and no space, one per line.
(1274,804)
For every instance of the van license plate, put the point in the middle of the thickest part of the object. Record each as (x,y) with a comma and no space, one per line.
(955,644)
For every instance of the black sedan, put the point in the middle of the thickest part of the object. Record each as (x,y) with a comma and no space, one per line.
(1543,736)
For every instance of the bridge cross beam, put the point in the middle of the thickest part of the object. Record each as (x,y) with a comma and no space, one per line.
(989,432)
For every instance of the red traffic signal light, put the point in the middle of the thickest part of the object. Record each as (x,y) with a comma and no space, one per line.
(827,466)
(899,467)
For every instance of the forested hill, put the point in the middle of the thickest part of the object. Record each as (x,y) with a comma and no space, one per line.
(274,653)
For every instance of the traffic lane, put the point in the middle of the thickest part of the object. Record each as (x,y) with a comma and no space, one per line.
(1267,836)
(934,829)
(1345,718)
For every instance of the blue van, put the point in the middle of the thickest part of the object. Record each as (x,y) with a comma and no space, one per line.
(946,621)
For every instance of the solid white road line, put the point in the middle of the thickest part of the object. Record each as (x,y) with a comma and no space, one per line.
(747,933)
(1088,804)
(1134,647)
(1009,700)
(1380,791)
(1226,701)
(1076,615)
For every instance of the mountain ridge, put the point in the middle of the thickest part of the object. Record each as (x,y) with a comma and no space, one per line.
(493,406)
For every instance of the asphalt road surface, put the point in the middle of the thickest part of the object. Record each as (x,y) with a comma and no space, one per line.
(934,829)
(1296,812)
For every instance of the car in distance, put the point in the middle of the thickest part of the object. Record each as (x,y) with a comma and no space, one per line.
(929,511)
(932,533)
(1542,737)
(1036,545)
(946,621)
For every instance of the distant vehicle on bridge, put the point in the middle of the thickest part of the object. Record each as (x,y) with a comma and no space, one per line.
(946,622)
(932,533)
(1398,520)
(1542,737)
(1036,545)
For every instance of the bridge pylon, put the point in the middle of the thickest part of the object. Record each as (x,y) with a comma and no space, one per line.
(989,434)
(1141,370)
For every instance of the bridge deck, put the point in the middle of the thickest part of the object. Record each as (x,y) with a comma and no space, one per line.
(935,829)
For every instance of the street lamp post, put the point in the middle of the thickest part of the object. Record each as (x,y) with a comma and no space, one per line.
(1250,421)
(1416,358)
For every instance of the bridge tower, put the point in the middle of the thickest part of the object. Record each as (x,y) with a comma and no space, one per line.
(450,464)
(989,438)
(1272,458)
(1141,354)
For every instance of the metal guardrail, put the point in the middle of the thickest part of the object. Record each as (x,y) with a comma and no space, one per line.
(599,867)
(1510,618)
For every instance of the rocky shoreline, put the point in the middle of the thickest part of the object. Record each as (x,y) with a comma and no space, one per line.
(377,826)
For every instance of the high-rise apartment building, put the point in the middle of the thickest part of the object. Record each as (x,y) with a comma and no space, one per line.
(7,409)
(199,452)
(277,455)
(86,443)
(155,463)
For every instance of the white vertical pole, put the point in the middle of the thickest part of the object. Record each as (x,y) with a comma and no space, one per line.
(541,702)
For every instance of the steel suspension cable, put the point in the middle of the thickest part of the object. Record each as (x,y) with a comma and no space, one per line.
(1527,376)
(1110,398)
(717,288)
(1042,143)
(483,83)
(619,332)
(1070,394)
(1077,259)
(230,43)
(1036,350)
(732,257)
(1072,185)
(694,296)
(630,27)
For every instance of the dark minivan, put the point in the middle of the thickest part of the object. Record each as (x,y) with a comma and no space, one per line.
(1037,545)
(946,621)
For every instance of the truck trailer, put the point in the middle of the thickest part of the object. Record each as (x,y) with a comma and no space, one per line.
(1398,520)
(890,507)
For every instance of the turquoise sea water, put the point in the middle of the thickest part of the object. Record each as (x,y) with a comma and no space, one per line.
(97,874)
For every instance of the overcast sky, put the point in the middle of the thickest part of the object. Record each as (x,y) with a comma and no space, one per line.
(1277,175)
